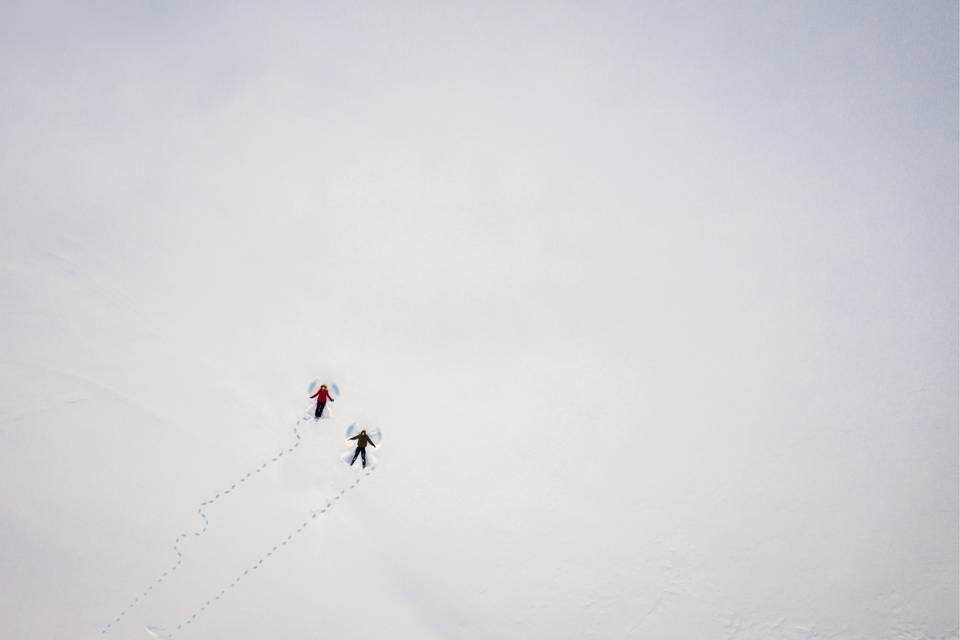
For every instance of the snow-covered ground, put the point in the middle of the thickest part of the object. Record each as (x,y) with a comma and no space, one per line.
(655,306)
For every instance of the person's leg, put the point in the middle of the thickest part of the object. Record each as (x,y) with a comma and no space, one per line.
(363,454)
(355,454)
(320,406)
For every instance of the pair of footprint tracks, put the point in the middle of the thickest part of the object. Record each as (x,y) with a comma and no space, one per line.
(201,511)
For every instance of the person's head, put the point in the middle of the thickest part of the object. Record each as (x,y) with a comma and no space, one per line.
(323,386)
(363,432)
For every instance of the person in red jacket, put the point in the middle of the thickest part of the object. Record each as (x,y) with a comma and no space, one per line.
(322,395)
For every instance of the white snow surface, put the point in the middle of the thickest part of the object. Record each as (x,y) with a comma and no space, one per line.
(655,303)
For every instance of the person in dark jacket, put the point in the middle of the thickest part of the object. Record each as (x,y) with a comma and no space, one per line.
(362,441)
(322,395)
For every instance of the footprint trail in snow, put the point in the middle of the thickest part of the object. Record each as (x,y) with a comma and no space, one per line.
(162,634)
(201,510)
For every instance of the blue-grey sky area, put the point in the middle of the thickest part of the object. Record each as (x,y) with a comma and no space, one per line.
(655,303)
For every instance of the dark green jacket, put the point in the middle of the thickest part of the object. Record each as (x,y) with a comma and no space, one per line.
(363,440)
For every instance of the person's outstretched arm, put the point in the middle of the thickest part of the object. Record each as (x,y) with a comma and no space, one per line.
(315,395)
(371,443)
(353,438)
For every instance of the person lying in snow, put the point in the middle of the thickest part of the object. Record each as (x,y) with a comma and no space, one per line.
(322,395)
(362,441)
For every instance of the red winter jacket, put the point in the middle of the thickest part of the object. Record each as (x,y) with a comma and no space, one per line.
(322,396)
